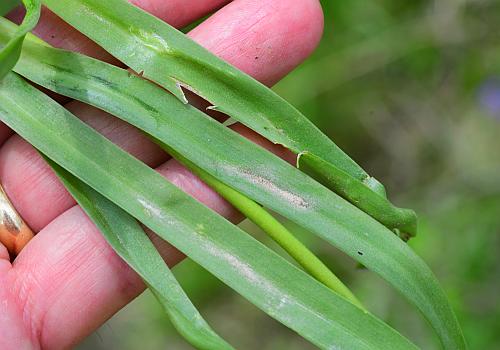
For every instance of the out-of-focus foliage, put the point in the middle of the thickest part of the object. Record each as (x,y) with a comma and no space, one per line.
(411,90)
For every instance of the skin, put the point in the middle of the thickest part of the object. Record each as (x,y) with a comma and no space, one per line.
(67,281)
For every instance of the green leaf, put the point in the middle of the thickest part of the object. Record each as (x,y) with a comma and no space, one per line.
(252,210)
(127,238)
(165,55)
(251,170)
(260,275)
(9,54)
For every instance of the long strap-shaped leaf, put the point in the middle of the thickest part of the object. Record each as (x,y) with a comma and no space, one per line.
(167,57)
(127,238)
(264,278)
(246,167)
(10,53)
(164,55)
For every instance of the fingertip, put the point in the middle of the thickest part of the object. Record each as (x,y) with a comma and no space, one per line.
(264,39)
(301,27)
(179,13)
(314,22)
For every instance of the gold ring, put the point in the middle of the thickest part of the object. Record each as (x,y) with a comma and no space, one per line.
(14,233)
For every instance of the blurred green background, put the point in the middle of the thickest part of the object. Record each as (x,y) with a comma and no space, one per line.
(411,90)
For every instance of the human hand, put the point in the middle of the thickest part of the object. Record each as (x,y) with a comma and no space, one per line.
(67,281)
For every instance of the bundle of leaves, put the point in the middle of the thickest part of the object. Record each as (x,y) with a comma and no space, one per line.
(326,193)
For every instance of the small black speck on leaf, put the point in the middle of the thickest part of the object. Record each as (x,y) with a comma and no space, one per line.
(360,253)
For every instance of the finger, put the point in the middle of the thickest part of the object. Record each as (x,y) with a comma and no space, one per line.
(58,33)
(68,257)
(4,254)
(34,189)
(13,333)
(259,39)
(98,286)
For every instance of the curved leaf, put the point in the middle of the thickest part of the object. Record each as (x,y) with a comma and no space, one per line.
(293,246)
(249,169)
(168,57)
(131,243)
(10,53)
(260,275)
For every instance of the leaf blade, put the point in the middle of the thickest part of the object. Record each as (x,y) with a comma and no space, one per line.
(10,53)
(264,177)
(166,56)
(129,241)
(284,292)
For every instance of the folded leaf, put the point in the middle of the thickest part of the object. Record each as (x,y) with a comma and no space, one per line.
(260,275)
